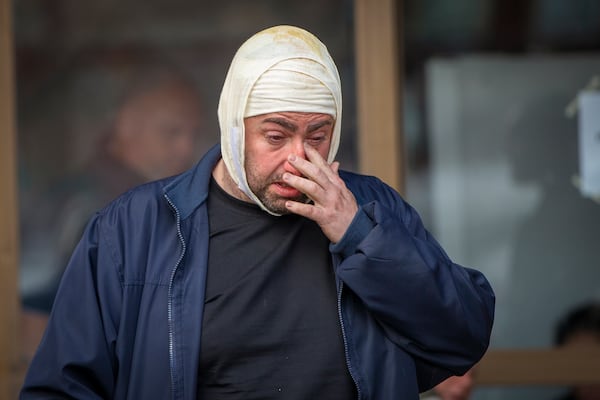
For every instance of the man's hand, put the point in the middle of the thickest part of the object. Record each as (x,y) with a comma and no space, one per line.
(456,387)
(334,206)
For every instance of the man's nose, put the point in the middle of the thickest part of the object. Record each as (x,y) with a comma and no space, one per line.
(297,149)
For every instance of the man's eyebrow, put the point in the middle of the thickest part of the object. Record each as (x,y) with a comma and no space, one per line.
(318,125)
(283,123)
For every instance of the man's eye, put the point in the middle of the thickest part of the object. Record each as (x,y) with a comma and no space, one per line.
(316,140)
(275,138)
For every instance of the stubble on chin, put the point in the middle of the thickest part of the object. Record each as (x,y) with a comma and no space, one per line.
(261,189)
(271,201)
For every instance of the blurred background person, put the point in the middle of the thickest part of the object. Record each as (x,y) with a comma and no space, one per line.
(153,131)
(580,327)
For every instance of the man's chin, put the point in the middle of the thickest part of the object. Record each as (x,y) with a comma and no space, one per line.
(277,206)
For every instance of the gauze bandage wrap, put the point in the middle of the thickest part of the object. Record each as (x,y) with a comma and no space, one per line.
(283,68)
(284,88)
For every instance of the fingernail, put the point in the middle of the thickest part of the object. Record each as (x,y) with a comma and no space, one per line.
(292,157)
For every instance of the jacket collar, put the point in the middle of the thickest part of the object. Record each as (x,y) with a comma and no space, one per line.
(190,189)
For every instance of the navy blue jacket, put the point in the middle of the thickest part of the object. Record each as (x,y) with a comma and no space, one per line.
(126,322)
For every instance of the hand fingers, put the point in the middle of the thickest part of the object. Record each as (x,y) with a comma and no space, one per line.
(306,210)
(334,206)
(335,167)
(314,167)
(309,187)
(313,156)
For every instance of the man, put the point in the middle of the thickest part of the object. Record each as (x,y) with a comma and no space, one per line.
(153,133)
(265,271)
(580,327)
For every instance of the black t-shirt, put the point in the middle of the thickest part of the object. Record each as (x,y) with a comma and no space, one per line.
(270,326)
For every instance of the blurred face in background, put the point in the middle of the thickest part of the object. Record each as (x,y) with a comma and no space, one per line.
(157,130)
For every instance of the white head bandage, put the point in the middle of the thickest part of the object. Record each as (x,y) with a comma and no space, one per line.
(291,85)
(283,68)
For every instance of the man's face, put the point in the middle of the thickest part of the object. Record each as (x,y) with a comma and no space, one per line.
(162,129)
(270,139)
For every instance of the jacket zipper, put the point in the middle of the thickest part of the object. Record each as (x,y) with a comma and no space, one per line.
(170,302)
(339,307)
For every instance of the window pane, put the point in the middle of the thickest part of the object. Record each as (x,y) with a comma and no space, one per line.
(115,93)
(493,158)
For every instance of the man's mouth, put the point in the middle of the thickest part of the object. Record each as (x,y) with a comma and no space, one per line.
(284,190)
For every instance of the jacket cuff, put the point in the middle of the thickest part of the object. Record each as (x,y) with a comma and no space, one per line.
(359,228)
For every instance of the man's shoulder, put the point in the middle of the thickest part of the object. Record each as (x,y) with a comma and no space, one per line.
(357,179)
(366,187)
(144,192)
(137,202)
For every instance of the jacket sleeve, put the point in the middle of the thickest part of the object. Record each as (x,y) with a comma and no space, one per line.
(439,312)
(75,357)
